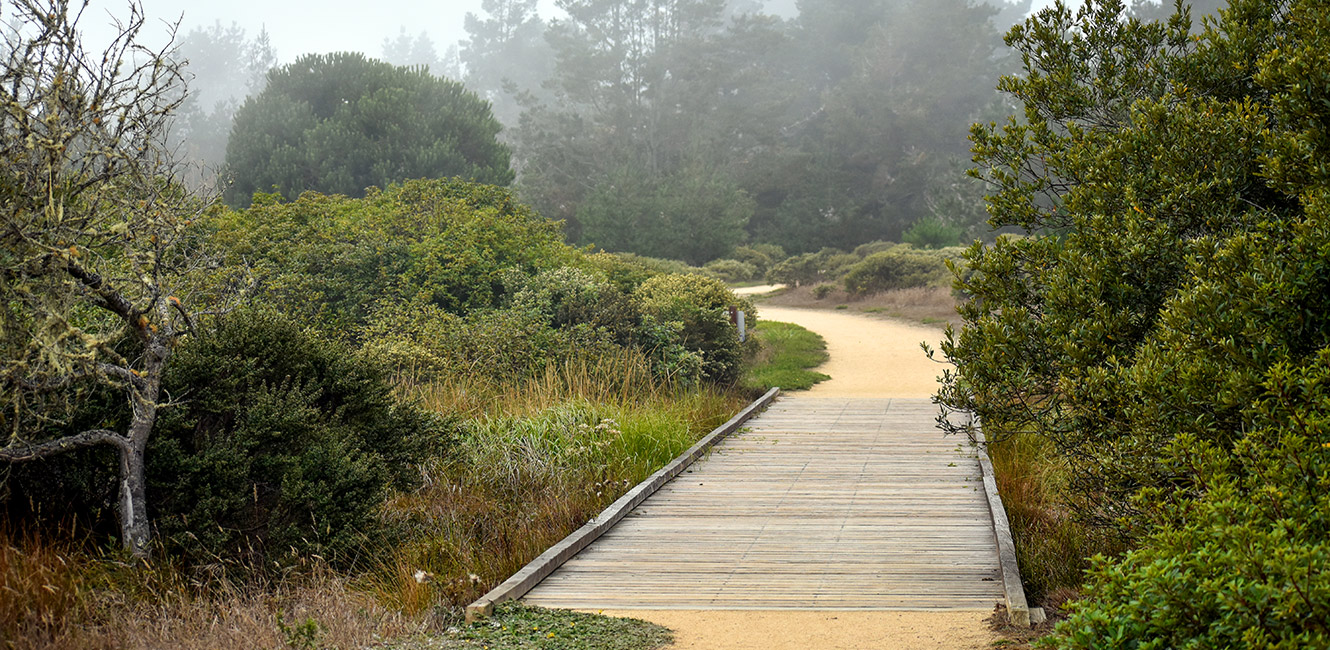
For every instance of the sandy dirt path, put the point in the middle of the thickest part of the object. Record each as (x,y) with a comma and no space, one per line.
(870,357)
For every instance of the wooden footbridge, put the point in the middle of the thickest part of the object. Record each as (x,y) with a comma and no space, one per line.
(816,503)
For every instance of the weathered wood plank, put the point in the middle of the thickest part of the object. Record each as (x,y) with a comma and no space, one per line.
(545,564)
(819,504)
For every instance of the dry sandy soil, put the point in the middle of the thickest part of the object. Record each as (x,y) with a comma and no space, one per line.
(870,357)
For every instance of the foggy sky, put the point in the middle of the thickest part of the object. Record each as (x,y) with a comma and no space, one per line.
(299,27)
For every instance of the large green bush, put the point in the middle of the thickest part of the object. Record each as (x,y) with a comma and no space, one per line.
(1245,566)
(699,306)
(732,270)
(893,269)
(282,444)
(442,242)
(1167,325)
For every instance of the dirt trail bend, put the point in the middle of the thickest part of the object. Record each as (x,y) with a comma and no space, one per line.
(870,357)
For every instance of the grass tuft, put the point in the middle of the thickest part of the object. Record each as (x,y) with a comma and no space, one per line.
(1052,546)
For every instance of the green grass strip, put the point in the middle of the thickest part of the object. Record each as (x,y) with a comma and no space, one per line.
(520,627)
(788,353)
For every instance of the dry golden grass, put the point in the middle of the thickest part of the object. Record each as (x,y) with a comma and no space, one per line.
(1052,546)
(541,458)
(58,595)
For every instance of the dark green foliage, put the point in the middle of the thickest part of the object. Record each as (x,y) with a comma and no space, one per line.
(445,243)
(1167,325)
(761,256)
(1245,564)
(694,215)
(893,269)
(699,306)
(340,123)
(808,268)
(284,445)
(931,233)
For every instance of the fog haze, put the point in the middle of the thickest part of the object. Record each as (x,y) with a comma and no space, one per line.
(304,26)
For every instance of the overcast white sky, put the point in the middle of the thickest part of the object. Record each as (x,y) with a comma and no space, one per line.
(306,26)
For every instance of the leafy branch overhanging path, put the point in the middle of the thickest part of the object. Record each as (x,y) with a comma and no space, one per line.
(822,503)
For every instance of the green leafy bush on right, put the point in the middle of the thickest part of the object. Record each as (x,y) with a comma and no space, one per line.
(1165,325)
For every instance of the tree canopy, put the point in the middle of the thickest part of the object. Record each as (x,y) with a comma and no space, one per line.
(843,125)
(340,123)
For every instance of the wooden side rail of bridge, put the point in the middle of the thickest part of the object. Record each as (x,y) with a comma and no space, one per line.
(820,503)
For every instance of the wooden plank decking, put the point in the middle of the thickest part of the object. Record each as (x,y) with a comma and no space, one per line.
(823,504)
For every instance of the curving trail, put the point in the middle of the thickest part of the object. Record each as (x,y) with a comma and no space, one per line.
(870,357)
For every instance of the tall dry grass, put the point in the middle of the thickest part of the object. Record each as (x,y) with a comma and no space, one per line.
(57,592)
(539,459)
(1053,546)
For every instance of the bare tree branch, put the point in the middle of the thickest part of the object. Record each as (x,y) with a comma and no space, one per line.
(22,451)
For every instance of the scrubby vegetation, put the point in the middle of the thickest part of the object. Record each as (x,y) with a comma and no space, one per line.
(329,421)
(870,268)
(429,383)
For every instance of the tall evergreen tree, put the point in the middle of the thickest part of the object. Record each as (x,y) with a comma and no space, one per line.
(340,123)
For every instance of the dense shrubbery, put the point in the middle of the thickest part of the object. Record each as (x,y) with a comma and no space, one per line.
(446,243)
(286,445)
(893,269)
(872,267)
(732,271)
(1166,326)
(700,306)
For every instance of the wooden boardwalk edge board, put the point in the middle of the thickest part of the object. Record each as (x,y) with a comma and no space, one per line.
(538,569)
(1018,610)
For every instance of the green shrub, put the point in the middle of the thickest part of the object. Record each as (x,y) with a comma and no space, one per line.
(807,268)
(795,271)
(331,259)
(1245,567)
(567,298)
(423,342)
(700,304)
(761,256)
(625,271)
(864,250)
(932,233)
(893,269)
(821,291)
(284,444)
(732,270)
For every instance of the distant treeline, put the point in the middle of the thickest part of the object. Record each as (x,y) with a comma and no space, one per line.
(681,128)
